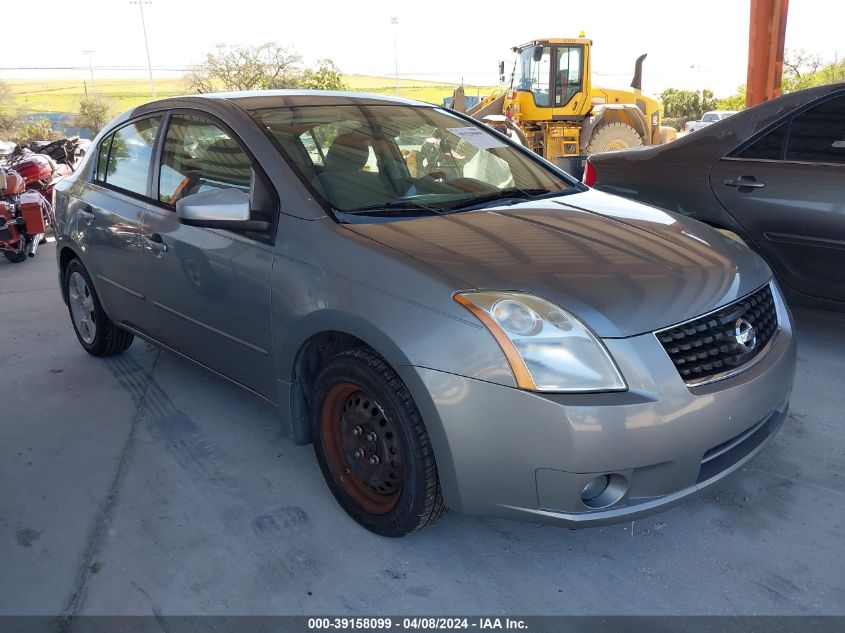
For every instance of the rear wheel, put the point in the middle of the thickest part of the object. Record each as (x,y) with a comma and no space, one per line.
(95,331)
(613,136)
(372,446)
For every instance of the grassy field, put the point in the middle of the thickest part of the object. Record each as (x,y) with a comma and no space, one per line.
(63,95)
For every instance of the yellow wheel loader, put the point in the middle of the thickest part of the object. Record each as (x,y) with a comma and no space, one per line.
(554,109)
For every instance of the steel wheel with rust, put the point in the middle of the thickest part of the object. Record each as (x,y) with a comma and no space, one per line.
(373,447)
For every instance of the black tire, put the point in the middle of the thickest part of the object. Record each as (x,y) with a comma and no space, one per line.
(108,339)
(16,258)
(401,438)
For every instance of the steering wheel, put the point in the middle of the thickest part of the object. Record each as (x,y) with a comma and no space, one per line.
(434,176)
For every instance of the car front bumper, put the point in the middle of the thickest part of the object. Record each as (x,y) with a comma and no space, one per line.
(505,452)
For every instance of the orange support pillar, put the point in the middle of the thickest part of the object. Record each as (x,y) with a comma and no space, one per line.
(766,36)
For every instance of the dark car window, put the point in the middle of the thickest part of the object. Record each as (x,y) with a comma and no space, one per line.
(130,150)
(818,135)
(767,147)
(102,159)
(199,156)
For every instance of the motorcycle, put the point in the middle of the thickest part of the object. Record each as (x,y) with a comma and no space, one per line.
(24,217)
(42,164)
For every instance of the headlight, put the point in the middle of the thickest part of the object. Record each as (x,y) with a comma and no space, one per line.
(547,348)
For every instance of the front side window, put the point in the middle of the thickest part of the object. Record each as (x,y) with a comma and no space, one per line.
(818,135)
(129,152)
(568,81)
(389,159)
(200,156)
(535,67)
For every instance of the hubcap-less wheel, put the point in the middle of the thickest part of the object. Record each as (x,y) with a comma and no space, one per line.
(362,448)
(82,307)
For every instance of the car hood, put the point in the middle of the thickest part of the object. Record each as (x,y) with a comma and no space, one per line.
(623,267)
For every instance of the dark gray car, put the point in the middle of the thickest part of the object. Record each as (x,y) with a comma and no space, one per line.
(774,175)
(451,320)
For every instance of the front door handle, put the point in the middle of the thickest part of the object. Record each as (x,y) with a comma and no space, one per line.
(745,181)
(155,243)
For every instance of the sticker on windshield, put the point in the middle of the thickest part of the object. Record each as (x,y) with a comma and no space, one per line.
(476,137)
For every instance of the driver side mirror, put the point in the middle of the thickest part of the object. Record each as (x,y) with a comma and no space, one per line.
(538,53)
(502,72)
(227,208)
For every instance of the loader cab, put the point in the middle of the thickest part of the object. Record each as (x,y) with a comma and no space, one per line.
(552,79)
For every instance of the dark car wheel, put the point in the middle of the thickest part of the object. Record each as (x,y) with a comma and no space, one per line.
(95,331)
(373,447)
(16,258)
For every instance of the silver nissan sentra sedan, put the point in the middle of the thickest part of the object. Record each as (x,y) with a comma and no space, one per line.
(449,319)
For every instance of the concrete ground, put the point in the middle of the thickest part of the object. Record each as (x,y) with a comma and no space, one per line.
(143,484)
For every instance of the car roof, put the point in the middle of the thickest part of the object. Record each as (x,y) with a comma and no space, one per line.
(263,99)
(250,99)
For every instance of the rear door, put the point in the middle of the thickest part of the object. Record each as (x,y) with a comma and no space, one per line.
(787,189)
(209,288)
(110,215)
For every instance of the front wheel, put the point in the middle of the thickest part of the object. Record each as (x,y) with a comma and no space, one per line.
(373,447)
(613,136)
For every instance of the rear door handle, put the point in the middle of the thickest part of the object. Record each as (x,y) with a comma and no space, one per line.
(86,212)
(745,181)
(155,243)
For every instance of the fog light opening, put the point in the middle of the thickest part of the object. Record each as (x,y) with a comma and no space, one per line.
(604,491)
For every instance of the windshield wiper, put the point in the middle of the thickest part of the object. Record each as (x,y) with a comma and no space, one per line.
(396,205)
(511,193)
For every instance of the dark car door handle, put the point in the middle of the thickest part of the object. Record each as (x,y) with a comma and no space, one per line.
(86,212)
(745,181)
(155,243)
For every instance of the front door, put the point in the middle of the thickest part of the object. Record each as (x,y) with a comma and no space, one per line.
(787,189)
(110,214)
(210,288)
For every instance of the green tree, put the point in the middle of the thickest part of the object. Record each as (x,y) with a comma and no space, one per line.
(686,103)
(804,70)
(327,76)
(26,129)
(94,113)
(261,67)
(735,102)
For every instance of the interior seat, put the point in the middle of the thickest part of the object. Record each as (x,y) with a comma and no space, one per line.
(343,180)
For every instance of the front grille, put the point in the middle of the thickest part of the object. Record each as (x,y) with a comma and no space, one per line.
(705,348)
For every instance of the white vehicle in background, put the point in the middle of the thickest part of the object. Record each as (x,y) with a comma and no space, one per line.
(707,119)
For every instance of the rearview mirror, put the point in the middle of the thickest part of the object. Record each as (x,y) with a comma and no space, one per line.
(219,208)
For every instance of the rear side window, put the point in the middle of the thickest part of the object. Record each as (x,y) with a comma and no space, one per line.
(102,160)
(200,156)
(710,118)
(818,135)
(129,151)
(767,147)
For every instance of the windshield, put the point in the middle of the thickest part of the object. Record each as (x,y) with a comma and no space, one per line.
(534,73)
(403,160)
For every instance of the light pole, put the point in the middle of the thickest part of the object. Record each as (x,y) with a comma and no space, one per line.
(91,68)
(395,23)
(141,4)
